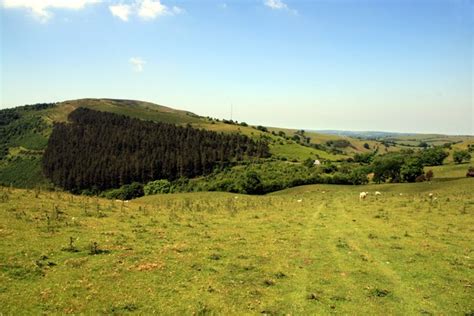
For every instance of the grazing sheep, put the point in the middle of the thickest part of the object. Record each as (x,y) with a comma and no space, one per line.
(300,200)
(377,193)
(363,195)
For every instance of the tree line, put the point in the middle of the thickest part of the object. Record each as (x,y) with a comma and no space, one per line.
(99,150)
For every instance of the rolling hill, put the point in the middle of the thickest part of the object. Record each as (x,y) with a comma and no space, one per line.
(24,133)
(311,250)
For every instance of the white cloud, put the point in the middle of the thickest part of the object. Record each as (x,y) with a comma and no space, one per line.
(122,11)
(145,9)
(137,64)
(150,9)
(41,9)
(276,4)
(279,5)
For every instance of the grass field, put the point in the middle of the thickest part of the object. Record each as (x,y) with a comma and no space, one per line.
(451,170)
(307,250)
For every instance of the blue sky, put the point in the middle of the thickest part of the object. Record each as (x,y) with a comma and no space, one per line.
(403,65)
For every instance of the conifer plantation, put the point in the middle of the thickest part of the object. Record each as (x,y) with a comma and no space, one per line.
(103,150)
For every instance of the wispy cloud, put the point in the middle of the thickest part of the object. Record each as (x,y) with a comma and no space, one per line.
(145,9)
(177,10)
(279,5)
(276,4)
(41,9)
(137,64)
(122,11)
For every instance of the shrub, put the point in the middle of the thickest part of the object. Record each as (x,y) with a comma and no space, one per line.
(329,168)
(420,178)
(359,176)
(125,192)
(157,187)
(339,143)
(470,172)
(429,175)
(461,156)
(388,167)
(433,156)
(251,183)
(308,163)
(262,128)
(411,169)
(364,158)
(423,145)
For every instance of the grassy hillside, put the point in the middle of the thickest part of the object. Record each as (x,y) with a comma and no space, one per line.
(24,136)
(138,109)
(451,170)
(31,129)
(307,250)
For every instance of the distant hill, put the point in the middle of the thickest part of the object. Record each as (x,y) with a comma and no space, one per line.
(364,134)
(25,131)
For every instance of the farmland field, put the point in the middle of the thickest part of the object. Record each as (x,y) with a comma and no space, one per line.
(306,250)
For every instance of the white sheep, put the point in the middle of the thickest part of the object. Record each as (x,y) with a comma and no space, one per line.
(377,193)
(363,195)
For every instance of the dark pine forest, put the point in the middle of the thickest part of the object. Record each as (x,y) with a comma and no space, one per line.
(103,150)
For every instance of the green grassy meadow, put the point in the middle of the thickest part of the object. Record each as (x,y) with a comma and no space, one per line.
(307,250)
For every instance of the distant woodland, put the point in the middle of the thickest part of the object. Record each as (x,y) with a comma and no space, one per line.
(103,150)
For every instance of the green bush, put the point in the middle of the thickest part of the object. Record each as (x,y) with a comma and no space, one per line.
(461,156)
(308,163)
(251,183)
(364,157)
(411,170)
(339,143)
(125,192)
(433,156)
(262,128)
(157,187)
(359,176)
(387,167)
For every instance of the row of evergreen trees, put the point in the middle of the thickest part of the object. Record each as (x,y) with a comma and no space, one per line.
(103,150)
